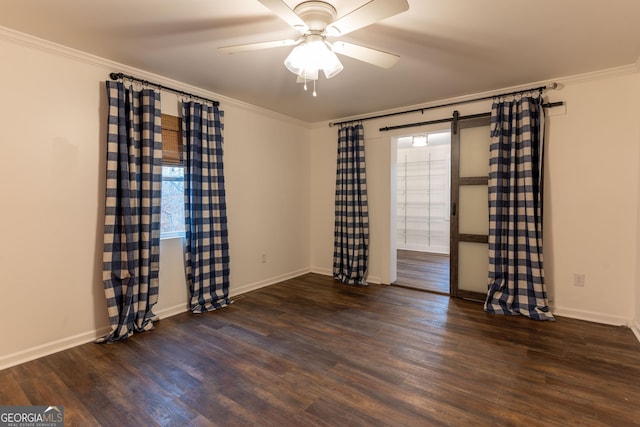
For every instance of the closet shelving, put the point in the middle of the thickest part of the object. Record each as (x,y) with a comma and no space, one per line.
(423,199)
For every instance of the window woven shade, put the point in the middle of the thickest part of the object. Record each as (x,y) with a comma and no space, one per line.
(171,140)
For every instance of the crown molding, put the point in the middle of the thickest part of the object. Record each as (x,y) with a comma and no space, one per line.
(566,80)
(622,70)
(112,66)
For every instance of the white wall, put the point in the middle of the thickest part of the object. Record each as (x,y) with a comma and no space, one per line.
(52,116)
(322,171)
(267,174)
(591,194)
(591,204)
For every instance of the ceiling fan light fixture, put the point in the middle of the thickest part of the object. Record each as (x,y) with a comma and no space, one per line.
(312,55)
(419,141)
(308,74)
(331,64)
(297,60)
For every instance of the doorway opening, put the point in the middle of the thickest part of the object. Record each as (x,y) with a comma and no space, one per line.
(422,210)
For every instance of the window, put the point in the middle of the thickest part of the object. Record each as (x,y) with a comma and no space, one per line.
(172,217)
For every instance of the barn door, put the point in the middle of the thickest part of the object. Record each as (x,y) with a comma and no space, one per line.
(469,261)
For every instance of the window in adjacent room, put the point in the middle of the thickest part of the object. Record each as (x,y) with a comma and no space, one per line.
(172,218)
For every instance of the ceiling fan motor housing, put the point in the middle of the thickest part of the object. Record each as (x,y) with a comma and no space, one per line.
(316,14)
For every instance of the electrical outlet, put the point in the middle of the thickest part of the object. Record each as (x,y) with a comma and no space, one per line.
(263,258)
(579,279)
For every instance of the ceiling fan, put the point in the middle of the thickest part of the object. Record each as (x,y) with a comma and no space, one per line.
(316,22)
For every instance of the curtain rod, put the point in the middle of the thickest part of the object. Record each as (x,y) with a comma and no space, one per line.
(119,76)
(449,104)
(450,119)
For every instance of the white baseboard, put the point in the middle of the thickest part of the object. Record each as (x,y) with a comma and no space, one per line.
(590,316)
(327,272)
(635,327)
(86,337)
(321,270)
(52,347)
(46,349)
(172,311)
(374,279)
(234,291)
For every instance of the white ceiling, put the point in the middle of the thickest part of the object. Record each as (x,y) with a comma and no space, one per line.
(448,48)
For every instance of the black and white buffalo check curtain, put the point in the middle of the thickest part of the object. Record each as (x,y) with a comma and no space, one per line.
(132,209)
(351,233)
(516,275)
(207,244)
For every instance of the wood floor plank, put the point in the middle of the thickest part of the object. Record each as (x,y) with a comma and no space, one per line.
(312,352)
(422,270)
(11,394)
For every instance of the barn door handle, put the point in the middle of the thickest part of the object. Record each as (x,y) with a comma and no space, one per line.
(453,209)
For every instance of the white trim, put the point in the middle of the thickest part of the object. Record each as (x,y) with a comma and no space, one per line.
(590,316)
(635,327)
(61,50)
(234,291)
(52,347)
(323,271)
(327,272)
(86,337)
(578,78)
(172,311)
(112,66)
(374,280)
(598,75)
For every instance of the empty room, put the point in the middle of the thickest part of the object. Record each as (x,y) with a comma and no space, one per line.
(228,213)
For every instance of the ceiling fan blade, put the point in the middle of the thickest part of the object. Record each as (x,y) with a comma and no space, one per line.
(367,14)
(257,46)
(366,54)
(285,13)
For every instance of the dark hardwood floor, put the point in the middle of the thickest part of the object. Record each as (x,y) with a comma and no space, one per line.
(423,270)
(312,352)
